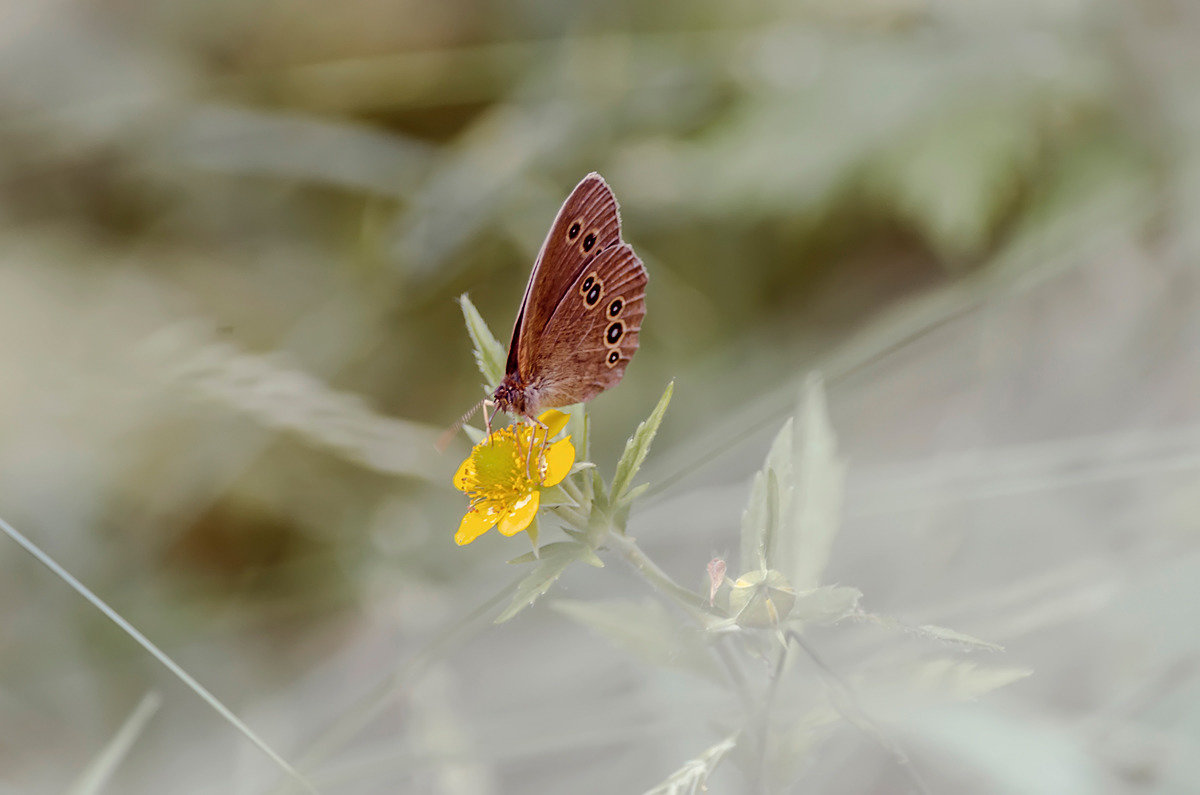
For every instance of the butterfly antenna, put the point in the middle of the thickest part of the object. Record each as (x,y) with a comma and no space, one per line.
(444,440)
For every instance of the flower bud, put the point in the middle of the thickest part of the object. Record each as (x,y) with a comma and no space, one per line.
(761,598)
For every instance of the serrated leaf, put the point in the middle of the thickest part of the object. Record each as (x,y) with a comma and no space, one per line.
(720,625)
(774,503)
(692,777)
(953,636)
(825,605)
(638,446)
(549,550)
(646,630)
(770,498)
(933,632)
(592,559)
(599,494)
(754,523)
(599,522)
(555,558)
(632,495)
(960,679)
(793,513)
(489,353)
(813,517)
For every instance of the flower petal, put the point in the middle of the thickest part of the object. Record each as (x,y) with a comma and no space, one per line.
(520,514)
(555,420)
(474,524)
(465,470)
(559,458)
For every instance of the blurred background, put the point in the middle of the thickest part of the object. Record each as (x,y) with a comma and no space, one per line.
(231,235)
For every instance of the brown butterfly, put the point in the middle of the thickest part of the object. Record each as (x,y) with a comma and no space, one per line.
(578,324)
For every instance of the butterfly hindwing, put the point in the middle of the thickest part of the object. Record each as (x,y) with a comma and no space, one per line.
(587,224)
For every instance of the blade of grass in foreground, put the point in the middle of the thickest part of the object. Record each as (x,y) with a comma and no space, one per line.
(98,772)
(156,652)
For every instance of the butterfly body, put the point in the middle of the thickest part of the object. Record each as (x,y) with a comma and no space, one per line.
(583,307)
(514,397)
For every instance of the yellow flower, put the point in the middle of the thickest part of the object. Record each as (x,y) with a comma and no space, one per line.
(495,477)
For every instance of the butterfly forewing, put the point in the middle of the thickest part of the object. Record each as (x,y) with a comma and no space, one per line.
(588,340)
(587,224)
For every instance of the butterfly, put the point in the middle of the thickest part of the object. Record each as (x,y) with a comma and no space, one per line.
(578,324)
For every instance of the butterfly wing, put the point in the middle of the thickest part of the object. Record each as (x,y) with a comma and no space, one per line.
(592,334)
(587,224)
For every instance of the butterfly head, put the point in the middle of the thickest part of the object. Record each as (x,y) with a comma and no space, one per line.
(513,397)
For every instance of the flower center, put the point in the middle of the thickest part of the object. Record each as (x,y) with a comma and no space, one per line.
(500,467)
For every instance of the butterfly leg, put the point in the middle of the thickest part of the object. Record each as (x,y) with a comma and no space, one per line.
(487,421)
(542,445)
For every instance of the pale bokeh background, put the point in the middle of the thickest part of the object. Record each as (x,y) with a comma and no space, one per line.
(230,238)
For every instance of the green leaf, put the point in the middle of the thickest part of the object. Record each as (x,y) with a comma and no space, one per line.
(933,632)
(638,446)
(954,637)
(544,552)
(599,521)
(774,506)
(955,678)
(592,559)
(555,558)
(579,429)
(533,531)
(599,495)
(636,492)
(554,496)
(813,516)
(646,630)
(489,353)
(713,624)
(795,501)
(825,605)
(692,777)
(754,525)
(770,499)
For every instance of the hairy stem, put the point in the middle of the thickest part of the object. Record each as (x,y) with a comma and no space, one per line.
(690,600)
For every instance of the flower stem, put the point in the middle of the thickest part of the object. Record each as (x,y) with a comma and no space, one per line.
(694,603)
(634,555)
(762,730)
(568,485)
